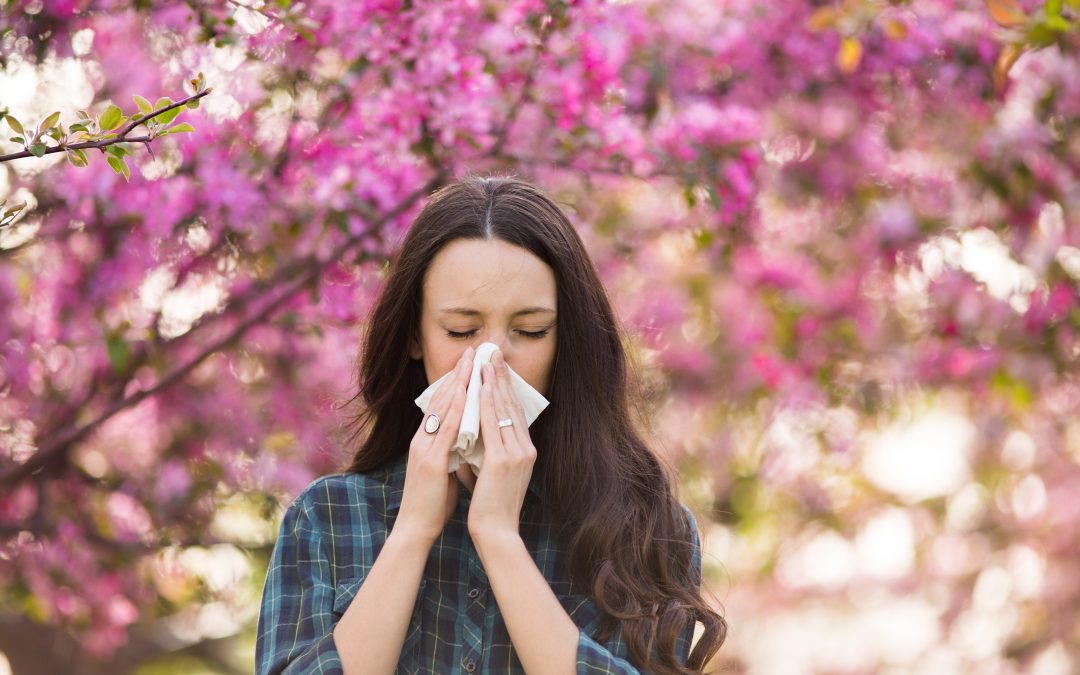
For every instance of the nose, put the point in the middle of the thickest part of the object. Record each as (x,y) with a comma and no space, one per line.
(501,341)
(502,347)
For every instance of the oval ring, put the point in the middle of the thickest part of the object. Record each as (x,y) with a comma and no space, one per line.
(506,423)
(431,424)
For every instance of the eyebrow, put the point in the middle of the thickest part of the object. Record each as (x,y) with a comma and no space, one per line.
(469,311)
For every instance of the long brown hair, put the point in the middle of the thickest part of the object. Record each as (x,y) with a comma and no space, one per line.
(639,573)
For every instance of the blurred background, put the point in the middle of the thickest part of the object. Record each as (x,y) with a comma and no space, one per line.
(843,237)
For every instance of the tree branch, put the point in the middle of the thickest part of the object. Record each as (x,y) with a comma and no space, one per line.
(311,267)
(120,138)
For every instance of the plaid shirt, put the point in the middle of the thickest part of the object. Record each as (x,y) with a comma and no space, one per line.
(329,539)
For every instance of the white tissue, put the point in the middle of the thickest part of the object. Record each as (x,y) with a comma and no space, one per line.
(469,446)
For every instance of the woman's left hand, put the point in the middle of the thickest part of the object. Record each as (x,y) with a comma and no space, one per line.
(509,455)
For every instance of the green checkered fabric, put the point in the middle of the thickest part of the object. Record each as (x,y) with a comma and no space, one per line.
(329,539)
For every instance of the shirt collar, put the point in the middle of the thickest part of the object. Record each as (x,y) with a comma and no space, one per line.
(395,481)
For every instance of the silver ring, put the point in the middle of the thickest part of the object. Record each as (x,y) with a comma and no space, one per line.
(506,423)
(431,424)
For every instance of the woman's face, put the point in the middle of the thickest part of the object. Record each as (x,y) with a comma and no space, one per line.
(488,291)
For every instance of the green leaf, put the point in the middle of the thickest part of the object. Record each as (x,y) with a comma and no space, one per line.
(167,117)
(180,128)
(14,209)
(17,139)
(703,238)
(15,125)
(144,105)
(79,126)
(49,122)
(110,119)
(691,198)
(1041,35)
(162,102)
(193,104)
(76,157)
(1012,388)
(119,353)
(37,149)
(119,150)
(116,163)
(1058,23)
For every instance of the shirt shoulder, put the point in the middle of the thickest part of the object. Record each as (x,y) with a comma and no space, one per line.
(695,534)
(378,489)
(348,516)
(338,486)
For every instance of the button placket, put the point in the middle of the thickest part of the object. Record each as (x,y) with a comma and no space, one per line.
(475,612)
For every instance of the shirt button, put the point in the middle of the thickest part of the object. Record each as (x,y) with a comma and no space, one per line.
(473,592)
(469,664)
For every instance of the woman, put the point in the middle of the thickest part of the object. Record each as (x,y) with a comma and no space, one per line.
(568,552)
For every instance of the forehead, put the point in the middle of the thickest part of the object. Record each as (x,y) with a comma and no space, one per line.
(488,275)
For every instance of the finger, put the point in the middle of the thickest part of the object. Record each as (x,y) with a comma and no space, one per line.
(502,375)
(507,403)
(433,451)
(440,401)
(451,422)
(450,417)
(444,438)
(460,375)
(493,442)
(499,403)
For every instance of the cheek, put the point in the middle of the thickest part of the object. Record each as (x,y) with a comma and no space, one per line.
(440,361)
(537,370)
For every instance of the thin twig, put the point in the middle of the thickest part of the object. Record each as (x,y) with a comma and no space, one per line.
(120,138)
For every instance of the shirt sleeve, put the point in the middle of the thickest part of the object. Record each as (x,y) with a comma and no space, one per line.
(296,623)
(592,657)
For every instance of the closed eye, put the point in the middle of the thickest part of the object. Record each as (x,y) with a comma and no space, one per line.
(534,335)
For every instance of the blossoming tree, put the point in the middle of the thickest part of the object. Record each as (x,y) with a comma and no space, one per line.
(809,215)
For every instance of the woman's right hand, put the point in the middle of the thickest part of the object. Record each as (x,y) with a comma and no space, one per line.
(431,491)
